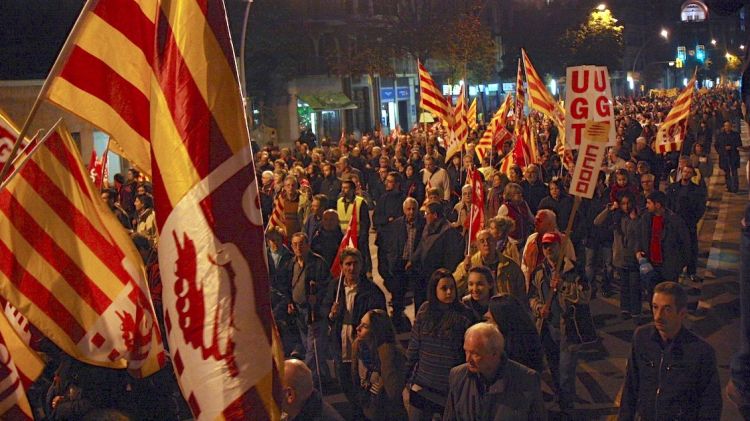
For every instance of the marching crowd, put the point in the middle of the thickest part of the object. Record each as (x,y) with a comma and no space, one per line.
(493,319)
(491,316)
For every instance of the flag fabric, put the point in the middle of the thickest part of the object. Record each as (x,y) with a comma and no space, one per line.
(350,239)
(70,267)
(431,98)
(471,117)
(539,97)
(19,368)
(103,173)
(277,215)
(520,101)
(672,131)
(490,137)
(342,139)
(216,300)
(117,99)
(93,165)
(8,135)
(459,129)
(161,76)
(506,164)
(536,156)
(521,150)
(475,222)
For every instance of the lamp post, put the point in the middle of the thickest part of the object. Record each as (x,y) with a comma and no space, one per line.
(663,33)
(247,106)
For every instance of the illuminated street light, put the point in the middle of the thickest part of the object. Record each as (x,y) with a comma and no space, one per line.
(601,7)
(742,46)
(664,33)
(713,42)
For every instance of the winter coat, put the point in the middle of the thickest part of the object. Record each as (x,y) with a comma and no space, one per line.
(384,401)
(625,231)
(675,243)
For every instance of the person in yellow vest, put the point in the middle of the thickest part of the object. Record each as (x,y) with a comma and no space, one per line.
(348,203)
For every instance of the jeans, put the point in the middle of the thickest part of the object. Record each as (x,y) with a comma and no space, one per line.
(593,256)
(630,290)
(315,340)
(562,359)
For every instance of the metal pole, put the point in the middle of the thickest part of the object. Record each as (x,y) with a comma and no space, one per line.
(243,82)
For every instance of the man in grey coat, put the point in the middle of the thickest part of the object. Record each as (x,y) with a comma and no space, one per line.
(490,386)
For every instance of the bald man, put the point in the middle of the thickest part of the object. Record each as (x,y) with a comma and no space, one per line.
(301,401)
(489,386)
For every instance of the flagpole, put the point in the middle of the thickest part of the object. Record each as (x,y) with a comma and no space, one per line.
(61,59)
(25,158)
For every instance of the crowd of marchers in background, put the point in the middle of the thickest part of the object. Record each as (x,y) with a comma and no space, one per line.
(493,320)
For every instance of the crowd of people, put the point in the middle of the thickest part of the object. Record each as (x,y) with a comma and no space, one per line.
(514,303)
(494,318)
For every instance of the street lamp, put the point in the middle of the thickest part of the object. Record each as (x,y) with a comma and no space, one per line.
(713,42)
(742,46)
(664,33)
(601,7)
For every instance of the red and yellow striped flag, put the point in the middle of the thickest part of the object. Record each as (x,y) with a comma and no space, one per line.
(520,102)
(117,98)
(459,130)
(277,216)
(672,131)
(19,368)
(472,116)
(172,62)
(431,98)
(490,139)
(539,97)
(70,267)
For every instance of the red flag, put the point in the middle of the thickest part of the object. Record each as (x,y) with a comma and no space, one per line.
(521,151)
(92,167)
(476,218)
(102,170)
(350,240)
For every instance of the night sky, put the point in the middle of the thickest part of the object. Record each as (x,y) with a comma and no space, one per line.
(33,31)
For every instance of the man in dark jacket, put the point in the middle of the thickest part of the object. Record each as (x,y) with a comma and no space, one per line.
(306,277)
(331,185)
(489,386)
(688,200)
(441,246)
(300,399)
(672,372)
(533,187)
(346,302)
(663,239)
(727,144)
(397,242)
(328,236)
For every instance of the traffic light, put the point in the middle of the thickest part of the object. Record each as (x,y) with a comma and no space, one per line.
(681,53)
(700,53)
(678,63)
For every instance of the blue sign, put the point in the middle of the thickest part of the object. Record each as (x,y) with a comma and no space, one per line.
(387,95)
(402,92)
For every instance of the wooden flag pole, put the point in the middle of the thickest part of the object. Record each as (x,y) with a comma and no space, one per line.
(61,59)
(20,161)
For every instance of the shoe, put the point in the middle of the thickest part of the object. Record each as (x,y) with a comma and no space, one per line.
(696,278)
(625,315)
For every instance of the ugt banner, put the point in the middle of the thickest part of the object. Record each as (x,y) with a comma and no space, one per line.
(588,97)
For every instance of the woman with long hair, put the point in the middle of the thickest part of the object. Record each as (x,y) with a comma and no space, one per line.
(378,374)
(481,286)
(436,346)
(522,343)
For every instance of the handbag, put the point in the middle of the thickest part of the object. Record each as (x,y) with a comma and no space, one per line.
(579,325)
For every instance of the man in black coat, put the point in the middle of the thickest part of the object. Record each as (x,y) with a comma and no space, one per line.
(672,372)
(441,246)
(396,244)
(306,277)
(663,239)
(727,144)
(688,199)
(327,237)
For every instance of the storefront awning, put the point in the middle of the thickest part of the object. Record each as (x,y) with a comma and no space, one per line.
(327,101)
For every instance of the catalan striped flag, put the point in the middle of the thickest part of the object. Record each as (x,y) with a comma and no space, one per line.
(431,98)
(277,215)
(472,115)
(19,368)
(161,76)
(539,97)
(536,156)
(70,267)
(117,99)
(520,101)
(495,133)
(521,150)
(672,131)
(459,130)
(507,163)
(8,135)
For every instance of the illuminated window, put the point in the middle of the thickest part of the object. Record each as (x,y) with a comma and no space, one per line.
(694,11)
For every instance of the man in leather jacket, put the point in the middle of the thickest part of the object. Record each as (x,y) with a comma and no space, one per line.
(672,372)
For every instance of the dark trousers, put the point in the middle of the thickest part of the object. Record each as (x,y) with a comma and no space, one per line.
(692,264)
(731,175)
(630,290)
(397,284)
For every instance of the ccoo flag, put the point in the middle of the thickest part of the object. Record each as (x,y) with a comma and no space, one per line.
(70,267)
